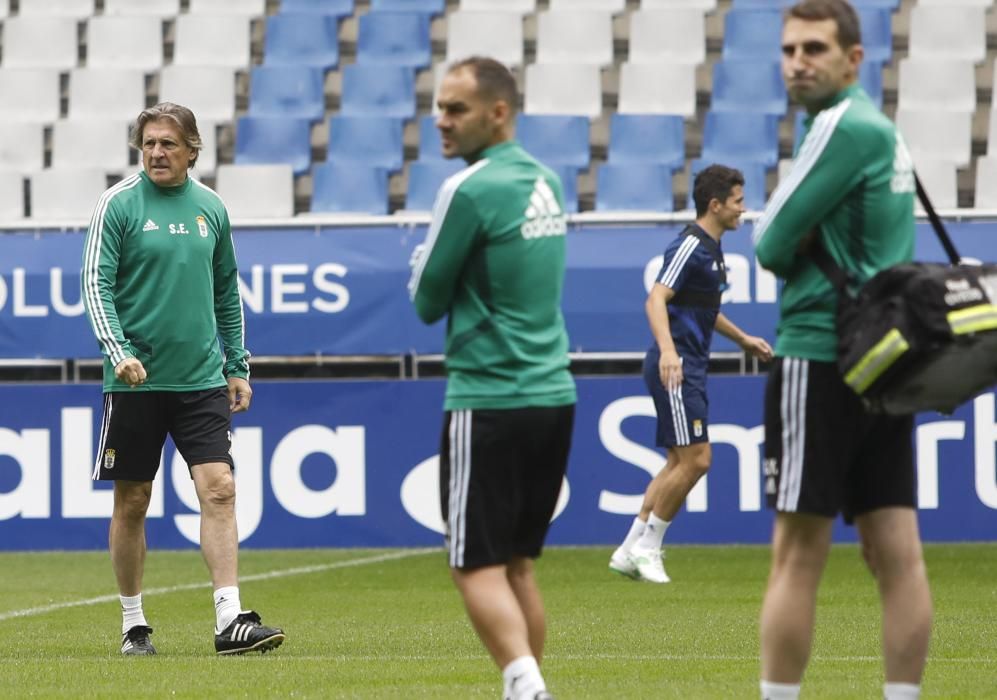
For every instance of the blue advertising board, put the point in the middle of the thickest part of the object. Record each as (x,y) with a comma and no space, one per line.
(342,291)
(354,464)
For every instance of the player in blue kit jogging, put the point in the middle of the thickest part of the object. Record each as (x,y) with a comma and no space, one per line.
(683,309)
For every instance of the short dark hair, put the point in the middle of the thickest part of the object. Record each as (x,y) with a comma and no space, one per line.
(179,115)
(495,80)
(714,182)
(841,11)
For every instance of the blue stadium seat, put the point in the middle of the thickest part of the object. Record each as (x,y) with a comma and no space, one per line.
(369,140)
(378,89)
(569,187)
(555,140)
(425,178)
(430,147)
(891,5)
(754,180)
(752,35)
(300,38)
(647,138)
(877,33)
(262,140)
(740,137)
(871,79)
(634,187)
(349,187)
(427,7)
(335,8)
(748,86)
(288,91)
(399,38)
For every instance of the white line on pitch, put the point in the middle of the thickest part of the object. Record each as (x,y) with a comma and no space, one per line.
(279,573)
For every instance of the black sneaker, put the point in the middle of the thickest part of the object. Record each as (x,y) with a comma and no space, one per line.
(247,634)
(135,642)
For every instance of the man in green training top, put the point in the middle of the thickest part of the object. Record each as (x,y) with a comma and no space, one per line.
(850,190)
(493,261)
(160,287)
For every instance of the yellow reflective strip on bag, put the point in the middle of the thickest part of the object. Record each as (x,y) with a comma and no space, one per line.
(982,317)
(879,359)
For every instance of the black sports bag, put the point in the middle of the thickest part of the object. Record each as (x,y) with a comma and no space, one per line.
(918,336)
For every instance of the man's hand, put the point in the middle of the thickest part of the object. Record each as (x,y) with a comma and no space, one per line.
(239,394)
(670,370)
(753,345)
(130,371)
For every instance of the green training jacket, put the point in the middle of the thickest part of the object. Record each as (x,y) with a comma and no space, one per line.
(160,284)
(852,181)
(494,261)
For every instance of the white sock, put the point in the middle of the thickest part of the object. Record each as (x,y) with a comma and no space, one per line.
(227,607)
(131,612)
(521,679)
(901,691)
(780,691)
(636,530)
(654,532)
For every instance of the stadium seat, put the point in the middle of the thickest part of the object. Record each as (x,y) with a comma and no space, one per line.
(22,147)
(877,33)
(986,183)
(949,32)
(91,143)
(891,5)
(521,7)
(763,4)
(269,140)
(4,8)
(40,42)
(349,188)
(424,180)
(936,135)
(871,80)
(29,94)
(211,40)
(430,146)
(647,138)
(612,6)
(479,33)
(164,9)
(753,35)
(748,86)
(66,193)
(301,39)
(569,188)
(106,93)
(563,89)
(634,187)
(367,140)
(378,90)
(208,91)
(939,180)
(334,8)
(243,8)
(256,191)
(75,9)
(754,180)
(117,41)
(426,7)
(667,88)
(555,140)
(971,3)
(289,91)
(575,36)
(932,84)
(397,38)
(11,195)
(667,36)
(729,136)
(207,159)
(702,5)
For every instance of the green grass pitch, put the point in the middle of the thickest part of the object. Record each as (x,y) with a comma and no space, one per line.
(388,624)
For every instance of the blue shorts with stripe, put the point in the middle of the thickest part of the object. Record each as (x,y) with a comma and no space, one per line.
(682,412)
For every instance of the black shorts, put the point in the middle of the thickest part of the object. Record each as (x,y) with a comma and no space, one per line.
(136,424)
(824,453)
(500,476)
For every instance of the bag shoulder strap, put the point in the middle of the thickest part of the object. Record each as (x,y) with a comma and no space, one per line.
(936,222)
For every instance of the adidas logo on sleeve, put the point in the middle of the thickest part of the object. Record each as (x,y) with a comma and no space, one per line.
(543,214)
(150,225)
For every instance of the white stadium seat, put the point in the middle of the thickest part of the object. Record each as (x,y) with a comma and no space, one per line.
(986,183)
(925,84)
(563,89)
(212,40)
(66,193)
(256,191)
(575,36)
(91,143)
(22,147)
(667,36)
(29,94)
(936,135)
(954,32)
(157,8)
(496,34)
(11,195)
(246,8)
(40,42)
(207,91)
(106,93)
(76,9)
(134,42)
(614,6)
(668,88)
(519,6)
(940,182)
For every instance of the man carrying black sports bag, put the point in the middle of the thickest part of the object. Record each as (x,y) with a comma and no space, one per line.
(851,185)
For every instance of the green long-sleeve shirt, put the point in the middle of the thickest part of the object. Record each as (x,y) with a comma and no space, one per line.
(494,261)
(160,284)
(852,181)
